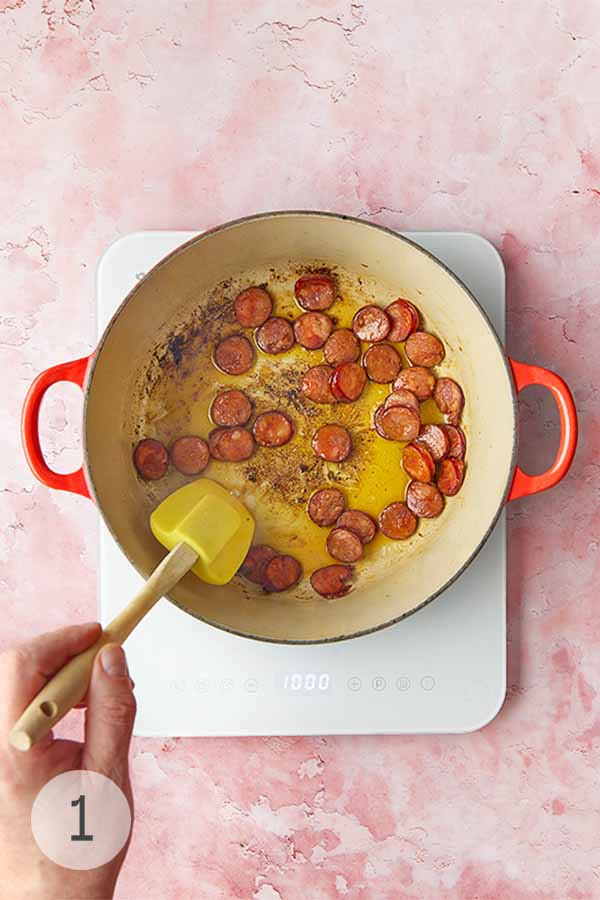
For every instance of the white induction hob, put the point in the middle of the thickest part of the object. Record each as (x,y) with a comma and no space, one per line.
(441,670)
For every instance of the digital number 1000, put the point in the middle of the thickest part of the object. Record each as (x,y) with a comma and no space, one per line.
(307,682)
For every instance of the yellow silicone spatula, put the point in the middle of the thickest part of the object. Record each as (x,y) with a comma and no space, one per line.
(206,530)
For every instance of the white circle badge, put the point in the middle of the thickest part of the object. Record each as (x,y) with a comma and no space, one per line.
(81,820)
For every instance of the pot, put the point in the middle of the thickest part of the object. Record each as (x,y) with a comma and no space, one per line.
(150,346)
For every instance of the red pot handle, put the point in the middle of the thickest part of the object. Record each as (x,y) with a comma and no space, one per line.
(71,371)
(523,484)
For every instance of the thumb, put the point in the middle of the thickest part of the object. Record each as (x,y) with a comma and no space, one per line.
(110,715)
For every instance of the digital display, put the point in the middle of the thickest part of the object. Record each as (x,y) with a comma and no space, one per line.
(307,682)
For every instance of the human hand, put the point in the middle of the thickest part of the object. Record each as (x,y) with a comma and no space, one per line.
(26,871)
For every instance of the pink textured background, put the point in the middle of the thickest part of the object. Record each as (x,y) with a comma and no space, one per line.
(417,114)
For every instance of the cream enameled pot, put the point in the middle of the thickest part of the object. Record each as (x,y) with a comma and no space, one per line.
(396,267)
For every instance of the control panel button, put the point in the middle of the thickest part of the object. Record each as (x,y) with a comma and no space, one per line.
(354,683)
(201,685)
(403,683)
(427,683)
(379,683)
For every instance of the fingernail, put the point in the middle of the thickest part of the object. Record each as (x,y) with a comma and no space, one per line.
(113,660)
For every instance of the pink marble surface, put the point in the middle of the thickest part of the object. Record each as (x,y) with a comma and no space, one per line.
(421,114)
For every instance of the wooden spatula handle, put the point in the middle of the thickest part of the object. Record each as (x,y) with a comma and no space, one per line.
(70,683)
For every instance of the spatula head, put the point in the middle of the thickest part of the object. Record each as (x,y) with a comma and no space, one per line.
(212,521)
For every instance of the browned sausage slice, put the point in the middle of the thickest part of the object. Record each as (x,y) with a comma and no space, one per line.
(341,346)
(397,423)
(371,324)
(231,408)
(360,523)
(281,572)
(424,349)
(348,381)
(213,442)
(397,521)
(332,442)
(231,444)
(450,476)
(190,455)
(234,355)
(332,581)
(273,428)
(312,329)
(326,506)
(418,462)
(401,397)
(435,439)
(253,567)
(151,459)
(253,307)
(276,335)
(424,499)
(418,380)
(344,545)
(404,317)
(456,440)
(315,291)
(316,384)
(382,363)
(449,399)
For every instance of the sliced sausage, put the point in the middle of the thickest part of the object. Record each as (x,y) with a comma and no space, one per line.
(273,429)
(418,380)
(332,581)
(341,346)
(450,476)
(316,384)
(382,363)
(360,523)
(435,439)
(253,307)
(213,442)
(151,459)
(281,572)
(348,381)
(344,545)
(371,324)
(424,499)
(315,291)
(397,423)
(231,408)
(234,355)
(424,349)
(401,397)
(253,567)
(418,462)
(231,444)
(332,442)
(326,506)
(190,455)
(276,335)
(404,317)
(449,399)
(397,521)
(457,442)
(312,329)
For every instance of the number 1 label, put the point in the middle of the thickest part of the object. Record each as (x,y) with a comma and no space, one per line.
(82,836)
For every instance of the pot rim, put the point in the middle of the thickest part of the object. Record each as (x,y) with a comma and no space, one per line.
(274,214)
